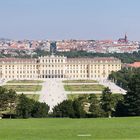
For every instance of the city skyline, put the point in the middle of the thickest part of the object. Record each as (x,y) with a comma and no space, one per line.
(56,20)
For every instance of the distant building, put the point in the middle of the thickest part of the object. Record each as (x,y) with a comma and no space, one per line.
(134,65)
(123,40)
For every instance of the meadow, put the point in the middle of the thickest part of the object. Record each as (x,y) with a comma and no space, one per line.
(70,129)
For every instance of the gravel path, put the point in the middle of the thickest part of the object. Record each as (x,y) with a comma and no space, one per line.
(53,92)
(113,87)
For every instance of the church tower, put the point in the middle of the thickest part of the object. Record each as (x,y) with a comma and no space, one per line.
(126,38)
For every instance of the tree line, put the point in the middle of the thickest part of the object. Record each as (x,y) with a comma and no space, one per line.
(19,106)
(86,106)
(129,79)
(124,57)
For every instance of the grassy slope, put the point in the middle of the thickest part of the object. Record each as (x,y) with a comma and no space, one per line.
(68,129)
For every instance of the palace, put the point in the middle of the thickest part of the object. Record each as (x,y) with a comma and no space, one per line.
(58,67)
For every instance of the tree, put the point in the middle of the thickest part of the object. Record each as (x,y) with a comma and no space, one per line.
(12,98)
(107,102)
(24,106)
(69,108)
(3,99)
(95,108)
(123,76)
(132,98)
(7,100)
(64,109)
(40,110)
(78,109)
(120,109)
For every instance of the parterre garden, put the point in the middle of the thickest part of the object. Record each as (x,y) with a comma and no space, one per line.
(84,87)
(25,86)
(80,81)
(25,81)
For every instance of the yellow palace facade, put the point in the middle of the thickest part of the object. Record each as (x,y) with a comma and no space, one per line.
(58,67)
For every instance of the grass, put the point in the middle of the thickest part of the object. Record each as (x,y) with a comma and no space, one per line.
(75,96)
(33,96)
(22,88)
(25,81)
(69,129)
(84,87)
(79,81)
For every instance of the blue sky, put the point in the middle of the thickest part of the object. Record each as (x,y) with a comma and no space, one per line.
(69,19)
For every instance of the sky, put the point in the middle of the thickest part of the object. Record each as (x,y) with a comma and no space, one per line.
(69,19)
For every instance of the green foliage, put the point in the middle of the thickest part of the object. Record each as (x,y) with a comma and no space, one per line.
(95,108)
(24,106)
(80,81)
(132,98)
(25,81)
(40,110)
(130,80)
(69,108)
(107,102)
(27,108)
(40,52)
(33,96)
(122,77)
(64,109)
(125,57)
(3,99)
(78,109)
(84,87)
(7,100)
(22,88)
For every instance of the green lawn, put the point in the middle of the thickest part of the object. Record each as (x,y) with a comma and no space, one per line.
(84,87)
(69,129)
(33,96)
(22,88)
(25,81)
(79,81)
